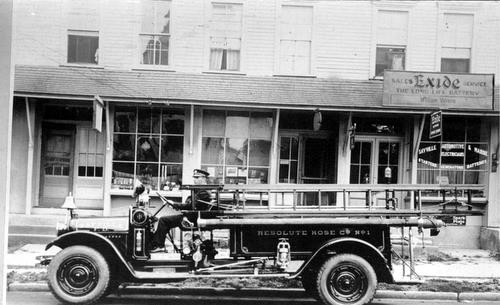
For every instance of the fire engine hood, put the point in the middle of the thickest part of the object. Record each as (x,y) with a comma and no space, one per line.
(100,224)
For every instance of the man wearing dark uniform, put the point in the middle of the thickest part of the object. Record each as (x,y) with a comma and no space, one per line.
(201,203)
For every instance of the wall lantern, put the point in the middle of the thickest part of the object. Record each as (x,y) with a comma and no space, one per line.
(317,120)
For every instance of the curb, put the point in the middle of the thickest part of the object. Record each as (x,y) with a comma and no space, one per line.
(477,296)
(292,293)
(416,295)
(32,287)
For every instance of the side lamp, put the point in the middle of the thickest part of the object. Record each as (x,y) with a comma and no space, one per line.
(69,204)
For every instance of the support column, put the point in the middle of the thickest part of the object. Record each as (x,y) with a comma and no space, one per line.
(6,102)
(344,158)
(30,120)
(493,208)
(108,159)
(490,232)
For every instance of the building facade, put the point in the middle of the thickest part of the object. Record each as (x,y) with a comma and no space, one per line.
(254,92)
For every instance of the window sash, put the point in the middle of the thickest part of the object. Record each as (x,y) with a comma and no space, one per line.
(295,57)
(83,47)
(156,17)
(390,58)
(225,36)
(457,30)
(392,27)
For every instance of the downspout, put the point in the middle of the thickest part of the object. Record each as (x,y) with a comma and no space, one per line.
(29,165)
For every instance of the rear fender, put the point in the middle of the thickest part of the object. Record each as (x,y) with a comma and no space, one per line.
(354,246)
(97,242)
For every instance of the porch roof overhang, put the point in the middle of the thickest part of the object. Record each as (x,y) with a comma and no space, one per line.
(207,89)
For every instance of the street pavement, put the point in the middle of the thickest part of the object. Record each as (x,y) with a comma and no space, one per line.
(46,298)
(453,264)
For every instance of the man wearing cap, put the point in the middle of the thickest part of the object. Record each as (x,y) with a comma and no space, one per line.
(165,223)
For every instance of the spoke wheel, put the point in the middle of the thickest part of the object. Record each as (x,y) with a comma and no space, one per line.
(79,275)
(347,283)
(346,279)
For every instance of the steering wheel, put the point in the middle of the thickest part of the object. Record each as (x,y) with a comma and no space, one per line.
(165,202)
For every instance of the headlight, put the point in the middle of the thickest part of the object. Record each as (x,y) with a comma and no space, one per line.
(186,250)
(139,217)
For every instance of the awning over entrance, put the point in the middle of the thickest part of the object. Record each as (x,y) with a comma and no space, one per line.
(208,89)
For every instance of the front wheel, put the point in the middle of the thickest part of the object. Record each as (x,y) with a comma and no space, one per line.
(79,275)
(346,279)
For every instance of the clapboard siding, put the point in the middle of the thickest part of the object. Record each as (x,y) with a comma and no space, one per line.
(260,30)
(342,35)
(37,33)
(189,34)
(487,48)
(421,52)
(119,37)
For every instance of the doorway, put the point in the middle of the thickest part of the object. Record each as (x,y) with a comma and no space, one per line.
(307,158)
(72,161)
(58,142)
(376,161)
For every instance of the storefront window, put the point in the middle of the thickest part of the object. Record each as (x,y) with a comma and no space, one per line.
(236,146)
(148,144)
(460,156)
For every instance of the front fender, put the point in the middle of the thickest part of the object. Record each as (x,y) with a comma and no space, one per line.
(354,246)
(97,242)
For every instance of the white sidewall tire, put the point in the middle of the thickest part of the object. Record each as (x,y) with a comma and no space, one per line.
(345,259)
(103,277)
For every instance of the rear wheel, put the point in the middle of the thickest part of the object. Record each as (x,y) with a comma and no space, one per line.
(79,275)
(346,279)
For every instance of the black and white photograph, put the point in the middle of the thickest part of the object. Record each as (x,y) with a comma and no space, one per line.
(234,152)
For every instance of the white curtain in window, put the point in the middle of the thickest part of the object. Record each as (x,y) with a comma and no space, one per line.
(216,59)
(233,60)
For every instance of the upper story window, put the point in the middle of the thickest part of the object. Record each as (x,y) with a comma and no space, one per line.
(155,32)
(392,39)
(225,37)
(295,40)
(83,47)
(457,43)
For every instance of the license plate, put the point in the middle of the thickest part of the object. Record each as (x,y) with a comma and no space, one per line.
(460,220)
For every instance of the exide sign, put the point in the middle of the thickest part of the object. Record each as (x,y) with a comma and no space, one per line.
(438,90)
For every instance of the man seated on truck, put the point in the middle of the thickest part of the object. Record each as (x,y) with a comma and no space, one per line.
(167,222)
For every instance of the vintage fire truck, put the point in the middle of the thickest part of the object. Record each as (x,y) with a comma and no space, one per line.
(340,252)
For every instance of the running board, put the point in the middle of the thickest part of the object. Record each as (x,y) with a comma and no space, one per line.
(172,276)
(408,281)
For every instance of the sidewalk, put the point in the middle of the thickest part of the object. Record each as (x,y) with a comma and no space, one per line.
(449,264)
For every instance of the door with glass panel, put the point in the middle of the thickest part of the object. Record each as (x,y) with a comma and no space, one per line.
(307,159)
(89,181)
(57,164)
(375,161)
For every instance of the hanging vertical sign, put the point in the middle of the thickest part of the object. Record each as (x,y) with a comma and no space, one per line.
(98,106)
(435,129)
